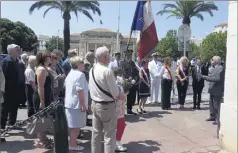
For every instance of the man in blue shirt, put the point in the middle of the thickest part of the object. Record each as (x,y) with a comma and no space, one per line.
(66,65)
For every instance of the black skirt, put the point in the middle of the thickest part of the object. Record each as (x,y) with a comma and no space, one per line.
(144,90)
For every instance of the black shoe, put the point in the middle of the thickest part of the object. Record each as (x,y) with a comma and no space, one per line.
(143,111)
(80,136)
(89,122)
(214,123)
(131,113)
(199,108)
(210,119)
(194,108)
(3,140)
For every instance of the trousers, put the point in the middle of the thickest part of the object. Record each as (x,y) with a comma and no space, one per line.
(29,97)
(166,86)
(217,107)
(8,111)
(131,97)
(197,95)
(182,91)
(155,86)
(104,119)
(211,106)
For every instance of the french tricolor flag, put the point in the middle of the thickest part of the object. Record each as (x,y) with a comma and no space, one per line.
(143,22)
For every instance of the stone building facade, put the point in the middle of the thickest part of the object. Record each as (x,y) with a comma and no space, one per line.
(94,38)
(228,130)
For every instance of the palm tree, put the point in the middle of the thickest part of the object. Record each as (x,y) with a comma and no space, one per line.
(67,7)
(187,9)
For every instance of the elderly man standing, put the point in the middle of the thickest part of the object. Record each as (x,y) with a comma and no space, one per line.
(11,70)
(154,68)
(216,87)
(66,65)
(104,92)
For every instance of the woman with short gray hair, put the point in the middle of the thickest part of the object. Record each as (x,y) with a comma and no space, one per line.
(76,100)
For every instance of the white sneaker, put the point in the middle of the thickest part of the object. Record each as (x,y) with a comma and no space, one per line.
(120,148)
(78,148)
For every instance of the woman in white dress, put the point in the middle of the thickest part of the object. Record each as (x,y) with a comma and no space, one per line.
(76,100)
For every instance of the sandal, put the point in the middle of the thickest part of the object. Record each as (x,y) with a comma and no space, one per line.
(143,111)
(49,140)
(139,111)
(43,145)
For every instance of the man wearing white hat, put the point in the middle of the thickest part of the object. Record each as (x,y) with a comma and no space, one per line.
(154,68)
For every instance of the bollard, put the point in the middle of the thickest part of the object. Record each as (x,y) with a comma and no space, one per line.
(61,144)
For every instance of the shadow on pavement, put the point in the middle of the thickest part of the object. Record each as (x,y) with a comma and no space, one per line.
(143,117)
(147,146)
(17,146)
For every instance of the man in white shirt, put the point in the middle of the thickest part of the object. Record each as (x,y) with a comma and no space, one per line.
(154,68)
(104,91)
(114,64)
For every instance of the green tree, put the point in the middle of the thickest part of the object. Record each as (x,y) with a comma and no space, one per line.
(17,33)
(195,50)
(214,44)
(54,42)
(66,8)
(185,10)
(168,46)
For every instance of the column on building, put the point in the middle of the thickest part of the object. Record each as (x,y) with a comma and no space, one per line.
(228,116)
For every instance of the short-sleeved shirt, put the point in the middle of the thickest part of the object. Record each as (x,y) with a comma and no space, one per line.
(29,75)
(105,78)
(74,82)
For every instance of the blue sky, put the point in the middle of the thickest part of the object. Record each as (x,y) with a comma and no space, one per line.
(18,11)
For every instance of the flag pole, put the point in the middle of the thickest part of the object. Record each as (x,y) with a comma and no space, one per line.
(118,26)
(127,45)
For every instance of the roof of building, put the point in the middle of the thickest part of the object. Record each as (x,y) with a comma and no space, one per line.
(75,34)
(222,24)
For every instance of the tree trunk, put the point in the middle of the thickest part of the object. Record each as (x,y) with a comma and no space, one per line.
(186,20)
(66,17)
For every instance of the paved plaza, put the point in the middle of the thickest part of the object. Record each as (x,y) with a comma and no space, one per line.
(159,131)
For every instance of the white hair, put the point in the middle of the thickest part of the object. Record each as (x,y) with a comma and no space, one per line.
(75,61)
(31,59)
(11,47)
(217,59)
(101,51)
(72,52)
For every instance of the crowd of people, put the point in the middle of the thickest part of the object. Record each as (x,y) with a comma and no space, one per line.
(96,85)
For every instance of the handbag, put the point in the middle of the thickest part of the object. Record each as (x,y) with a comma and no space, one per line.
(104,91)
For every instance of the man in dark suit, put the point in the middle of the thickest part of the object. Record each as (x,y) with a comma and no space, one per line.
(131,73)
(11,70)
(198,84)
(216,87)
